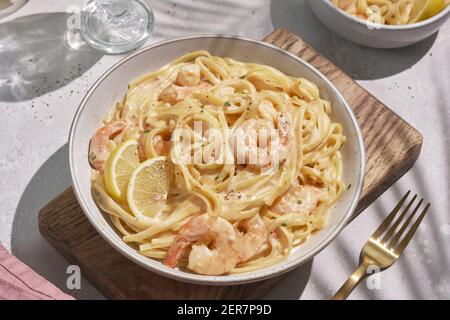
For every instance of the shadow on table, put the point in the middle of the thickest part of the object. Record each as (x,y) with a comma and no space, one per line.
(234,17)
(292,285)
(433,259)
(39,55)
(431,244)
(27,244)
(359,62)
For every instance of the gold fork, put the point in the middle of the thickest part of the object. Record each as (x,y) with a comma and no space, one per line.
(385,246)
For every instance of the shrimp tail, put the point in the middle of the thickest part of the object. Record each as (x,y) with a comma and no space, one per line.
(176,251)
(98,148)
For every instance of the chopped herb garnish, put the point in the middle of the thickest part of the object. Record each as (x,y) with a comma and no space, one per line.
(349,186)
(284,224)
(243,77)
(146,131)
(227,104)
(299,201)
(92,156)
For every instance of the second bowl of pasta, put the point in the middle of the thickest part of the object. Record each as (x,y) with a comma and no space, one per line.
(382,24)
(216,159)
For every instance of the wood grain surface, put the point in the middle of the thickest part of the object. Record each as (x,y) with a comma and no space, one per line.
(392,147)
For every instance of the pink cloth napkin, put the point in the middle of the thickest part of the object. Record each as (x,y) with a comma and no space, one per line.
(19,282)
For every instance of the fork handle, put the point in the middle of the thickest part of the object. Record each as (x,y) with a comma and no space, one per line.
(351,283)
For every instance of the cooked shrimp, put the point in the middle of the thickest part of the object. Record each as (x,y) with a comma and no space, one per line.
(251,242)
(173,93)
(261,145)
(298,199)
(251,141)
(160,146)
(189,75)
(98,150)
(346,4)
(205,230)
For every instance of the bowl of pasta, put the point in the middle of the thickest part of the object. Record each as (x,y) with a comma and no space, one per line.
(216,159)
(382,24)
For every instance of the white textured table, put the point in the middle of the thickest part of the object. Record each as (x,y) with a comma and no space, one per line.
(42,81)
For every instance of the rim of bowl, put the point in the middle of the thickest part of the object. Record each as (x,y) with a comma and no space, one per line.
(233,279)
(378,26)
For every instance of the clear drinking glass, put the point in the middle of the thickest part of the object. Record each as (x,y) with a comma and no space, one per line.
(8,7)
(116,26)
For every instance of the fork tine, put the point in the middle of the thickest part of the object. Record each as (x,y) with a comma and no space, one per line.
(398,235)
(411,232)
(390,217)
(397,222)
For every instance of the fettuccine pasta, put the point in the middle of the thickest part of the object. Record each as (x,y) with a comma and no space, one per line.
(392,12)
(244,164)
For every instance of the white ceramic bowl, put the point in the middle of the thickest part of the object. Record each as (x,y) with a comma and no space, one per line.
(375,35)
(112,86)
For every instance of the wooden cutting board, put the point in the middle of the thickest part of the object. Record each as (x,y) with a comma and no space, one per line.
(392,147)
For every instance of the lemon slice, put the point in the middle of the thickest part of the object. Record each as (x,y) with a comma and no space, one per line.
(425,9)
(148,187)
(119,167)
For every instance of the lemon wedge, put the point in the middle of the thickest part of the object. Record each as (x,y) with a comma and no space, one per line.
(119,167)
(148,187)
(425,9)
